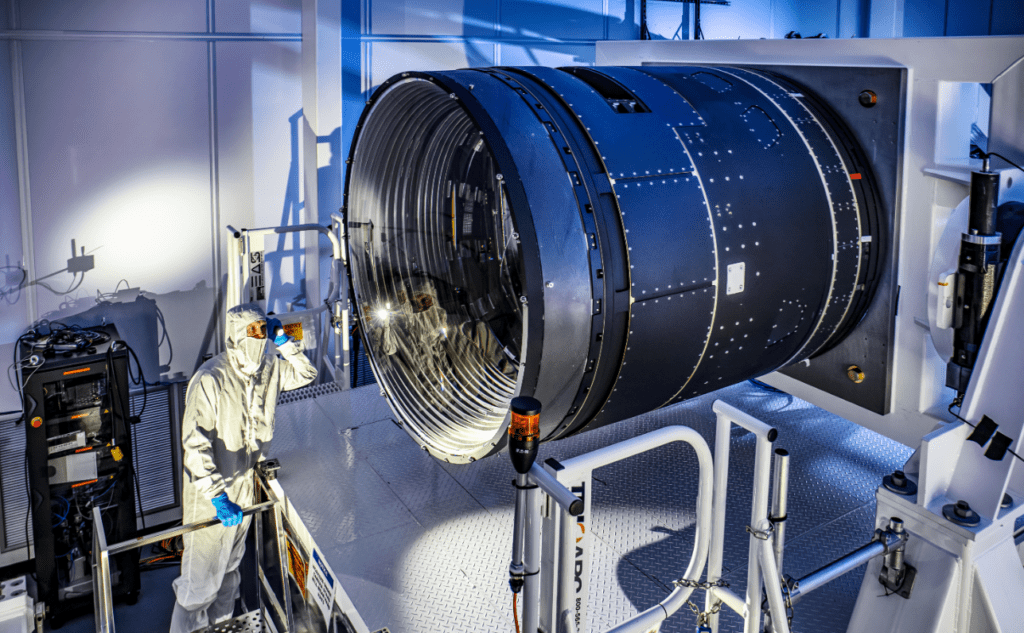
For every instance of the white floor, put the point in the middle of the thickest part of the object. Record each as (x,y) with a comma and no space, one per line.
(423,546)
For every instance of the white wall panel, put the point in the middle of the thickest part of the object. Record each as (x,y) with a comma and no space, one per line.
(969,17)
(547,55)
(823,19)
(746,20)
(553,19)
(13,311)
(258,16)
(259,108)
(431,17)
(1007,17)
(118,145)
(622,19)
(925,18)
(113,15)
(390,58)
(664,20)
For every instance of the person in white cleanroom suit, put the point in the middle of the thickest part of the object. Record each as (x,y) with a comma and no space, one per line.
(229,420)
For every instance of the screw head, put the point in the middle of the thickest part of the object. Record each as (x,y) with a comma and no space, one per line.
(961,513)
(855,374)
(867,98)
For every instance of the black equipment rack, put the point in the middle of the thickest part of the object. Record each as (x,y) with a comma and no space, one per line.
(79,455)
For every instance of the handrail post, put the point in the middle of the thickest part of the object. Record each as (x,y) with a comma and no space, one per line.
(765,435)
(102,601)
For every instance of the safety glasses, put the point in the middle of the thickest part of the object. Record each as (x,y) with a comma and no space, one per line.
(256,329)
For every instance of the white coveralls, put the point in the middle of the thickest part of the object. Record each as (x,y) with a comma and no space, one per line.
(229,420)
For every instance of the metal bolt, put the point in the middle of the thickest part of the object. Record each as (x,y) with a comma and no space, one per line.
(855,373)
(899,478)
(963,509)
(867,98)
(550,284)
(1007,501)
(522,299)
(896,525)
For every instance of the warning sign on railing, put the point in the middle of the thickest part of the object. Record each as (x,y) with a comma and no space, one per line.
(321,585)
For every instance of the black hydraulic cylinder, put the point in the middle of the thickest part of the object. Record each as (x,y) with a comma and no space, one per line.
(978,276)
(984,193)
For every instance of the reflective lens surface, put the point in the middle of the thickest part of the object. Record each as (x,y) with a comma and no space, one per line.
(435,266)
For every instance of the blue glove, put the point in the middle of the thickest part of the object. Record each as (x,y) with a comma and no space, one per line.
(274,327)
(229,513)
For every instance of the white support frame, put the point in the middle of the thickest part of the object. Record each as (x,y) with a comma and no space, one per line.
(558,549)
(242,242)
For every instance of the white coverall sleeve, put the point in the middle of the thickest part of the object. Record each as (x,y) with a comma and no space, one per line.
(200,422)
(298,371)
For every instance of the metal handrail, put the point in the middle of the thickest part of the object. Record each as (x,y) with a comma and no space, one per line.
(103,603)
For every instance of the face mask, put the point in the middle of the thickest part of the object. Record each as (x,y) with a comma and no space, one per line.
(253,350)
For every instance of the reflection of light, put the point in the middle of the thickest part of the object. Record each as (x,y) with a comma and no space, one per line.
(383,314)
(124,221)
(444,332)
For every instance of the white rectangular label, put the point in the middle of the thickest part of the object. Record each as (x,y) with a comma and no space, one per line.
(734,280)
(321,585)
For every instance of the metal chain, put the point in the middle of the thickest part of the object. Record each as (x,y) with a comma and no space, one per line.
(789,584)
(762,535)
(683,582)
(702,616)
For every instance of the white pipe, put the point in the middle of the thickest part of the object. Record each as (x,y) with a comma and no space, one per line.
(729,599)
(780,493)
(233,297)
(651,618)
(566,567)
(340,221)
(531,561)
(566,624)
(772,582)
(716,555)
(759,505)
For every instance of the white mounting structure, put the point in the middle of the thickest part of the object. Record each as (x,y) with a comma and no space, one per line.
(246,283)
(969,579)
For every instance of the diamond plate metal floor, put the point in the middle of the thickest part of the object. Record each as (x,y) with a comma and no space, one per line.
(422,546)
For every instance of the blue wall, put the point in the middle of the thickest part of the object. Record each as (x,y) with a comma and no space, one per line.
(383,37)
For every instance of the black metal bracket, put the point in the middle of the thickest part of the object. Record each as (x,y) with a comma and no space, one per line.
(903,584)
(269,468)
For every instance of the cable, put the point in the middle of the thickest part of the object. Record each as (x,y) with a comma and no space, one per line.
(127,422)
(64,517)
(109,488)
(950,409)
(644,33)
(698,34)
(140,380)
(987,154)
(134,439)
(515,611)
